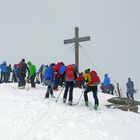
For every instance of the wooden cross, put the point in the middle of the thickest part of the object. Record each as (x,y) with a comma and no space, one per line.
(76,40)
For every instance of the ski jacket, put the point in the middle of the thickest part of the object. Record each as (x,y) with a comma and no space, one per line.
(56,71)
(3,67)
(9,69)
(32,69)
(15,70)
(87,77)
(80,78)
(40,69)
(49,73)
(23,68)
(130,85)
(106,80)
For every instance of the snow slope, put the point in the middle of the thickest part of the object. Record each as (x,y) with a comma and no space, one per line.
(25,115)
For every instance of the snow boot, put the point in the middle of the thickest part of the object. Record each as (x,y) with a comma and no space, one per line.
(95,106)
(64,100)
(86,103)
(70,103)
(52,96)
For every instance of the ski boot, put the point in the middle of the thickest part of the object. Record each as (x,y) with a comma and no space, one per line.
(95,106)
(86,103)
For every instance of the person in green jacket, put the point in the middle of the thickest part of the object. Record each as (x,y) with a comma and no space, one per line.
(32,73)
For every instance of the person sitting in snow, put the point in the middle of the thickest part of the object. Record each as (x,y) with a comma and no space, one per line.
(106,85)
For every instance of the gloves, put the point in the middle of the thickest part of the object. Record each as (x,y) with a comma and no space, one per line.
(85,85)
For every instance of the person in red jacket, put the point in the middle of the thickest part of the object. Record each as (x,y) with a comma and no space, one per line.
(80,80)
(56,76)
(92,85)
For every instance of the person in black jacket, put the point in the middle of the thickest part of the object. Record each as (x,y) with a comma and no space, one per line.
(23,68)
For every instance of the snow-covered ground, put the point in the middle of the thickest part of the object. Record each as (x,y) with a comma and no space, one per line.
(25,115)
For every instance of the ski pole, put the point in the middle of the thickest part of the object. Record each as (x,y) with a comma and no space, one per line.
(59,94)
(80,96)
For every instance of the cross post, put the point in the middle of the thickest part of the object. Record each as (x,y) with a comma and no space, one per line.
(76,40)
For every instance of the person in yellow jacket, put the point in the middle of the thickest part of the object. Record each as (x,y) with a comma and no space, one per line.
(92,80)
(87,76)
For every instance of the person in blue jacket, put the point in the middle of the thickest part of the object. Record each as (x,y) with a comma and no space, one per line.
(40,72)
(106,84)
(14,73)
(3,68)
(62,74)
(130,89)
(106,80)
(49,81)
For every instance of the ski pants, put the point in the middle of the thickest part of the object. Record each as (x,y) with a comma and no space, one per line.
(50,85)
(94,91)
(32,78)
(56,83)
(130,93)
(69,85)
(21,79)
(3,77)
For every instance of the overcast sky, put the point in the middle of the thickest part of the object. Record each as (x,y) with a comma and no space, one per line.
(35,30)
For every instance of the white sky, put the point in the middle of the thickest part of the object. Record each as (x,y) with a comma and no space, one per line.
(35,30)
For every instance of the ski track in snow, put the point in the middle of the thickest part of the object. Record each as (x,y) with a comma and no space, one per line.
(39,119)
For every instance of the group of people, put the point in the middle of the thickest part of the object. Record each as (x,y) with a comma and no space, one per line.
(59,74)
(19,72)
(5,72)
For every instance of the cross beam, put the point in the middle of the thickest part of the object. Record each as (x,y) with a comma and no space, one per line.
(76,40)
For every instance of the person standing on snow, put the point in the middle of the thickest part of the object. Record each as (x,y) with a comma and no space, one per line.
(3,68)
(70,77)
(92,85)
(32,73)
(56,76)
(9,70)
(14,73)
(49,81)
(130,89)
(62,74)
(23,68)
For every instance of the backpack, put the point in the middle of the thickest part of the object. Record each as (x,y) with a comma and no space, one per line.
(69,73)
(95,80)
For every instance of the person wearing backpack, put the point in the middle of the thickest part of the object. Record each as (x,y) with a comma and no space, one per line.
(70,76)
(92,85)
